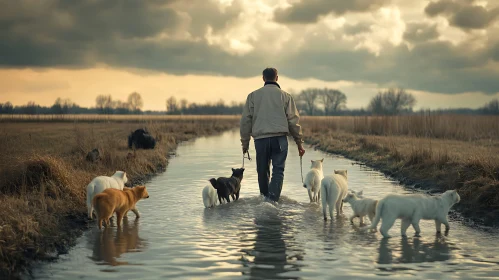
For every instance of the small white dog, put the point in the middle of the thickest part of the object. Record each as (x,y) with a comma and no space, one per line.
(361,206)
(210,196)
(313,180)
(412,208)
(100,183)
(359,194)
(334,188)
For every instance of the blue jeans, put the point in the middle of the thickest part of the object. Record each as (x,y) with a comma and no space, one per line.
(275,150)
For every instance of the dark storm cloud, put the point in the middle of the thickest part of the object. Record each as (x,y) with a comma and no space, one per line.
(125,34)
(309,11)
(430,66)
(463,14)
(73,33)
(420,32)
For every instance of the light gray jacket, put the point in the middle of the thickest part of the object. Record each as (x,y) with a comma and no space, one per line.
(270,111)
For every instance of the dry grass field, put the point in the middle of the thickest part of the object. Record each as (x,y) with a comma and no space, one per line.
(431,152)
(43,175)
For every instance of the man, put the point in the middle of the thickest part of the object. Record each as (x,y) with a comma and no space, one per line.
(269,115)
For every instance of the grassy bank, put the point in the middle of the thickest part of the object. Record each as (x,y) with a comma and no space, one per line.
(43,175)
(433,153)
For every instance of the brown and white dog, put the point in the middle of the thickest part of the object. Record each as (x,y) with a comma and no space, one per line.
(120,201)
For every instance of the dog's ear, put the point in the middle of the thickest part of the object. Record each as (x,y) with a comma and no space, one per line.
(233,169)
(140,190)
(322,160)
(361,192)
(242,169)
(213,182)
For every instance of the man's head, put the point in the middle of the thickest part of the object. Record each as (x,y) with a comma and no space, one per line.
(270,75)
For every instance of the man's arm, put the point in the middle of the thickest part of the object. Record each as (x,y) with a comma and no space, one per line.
(294,124)
(246,123)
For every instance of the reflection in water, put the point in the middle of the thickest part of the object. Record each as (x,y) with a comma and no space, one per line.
(108,246)
(272,257)
(417,252)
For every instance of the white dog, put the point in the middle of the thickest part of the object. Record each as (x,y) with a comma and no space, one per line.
(334,188)
(210,196)
(100,183)
(359,194)
(361,206)
(411,209)
(313,180)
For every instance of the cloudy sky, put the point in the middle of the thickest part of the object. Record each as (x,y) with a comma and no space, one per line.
(446,52)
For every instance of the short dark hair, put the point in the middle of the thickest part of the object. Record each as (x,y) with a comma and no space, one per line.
(269,73)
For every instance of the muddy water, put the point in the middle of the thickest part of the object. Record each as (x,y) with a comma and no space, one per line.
(177,238)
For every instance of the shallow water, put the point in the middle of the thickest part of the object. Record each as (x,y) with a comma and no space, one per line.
(176,237)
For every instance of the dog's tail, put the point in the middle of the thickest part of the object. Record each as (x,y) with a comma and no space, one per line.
(377,216)
(324,199)
(90,191)
(96,204)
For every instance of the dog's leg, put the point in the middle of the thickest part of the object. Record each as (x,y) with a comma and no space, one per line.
(386,224)
(310,195)
(415,225)
(136,212)
(119,218)
(237,195)
(404,226)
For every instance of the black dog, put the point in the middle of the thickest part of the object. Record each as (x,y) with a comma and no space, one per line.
(228,186)
(141,139)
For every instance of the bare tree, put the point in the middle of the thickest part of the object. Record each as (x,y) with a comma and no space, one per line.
(392,102)
(333,100)
(183,104)
(491,108)
(104,103)
(7,108)
(62,106)
(31,108)
(376,105)
(120,107)
(171,104)
(309,97)
(135,102)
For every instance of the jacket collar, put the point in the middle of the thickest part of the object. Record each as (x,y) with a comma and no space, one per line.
(272,83)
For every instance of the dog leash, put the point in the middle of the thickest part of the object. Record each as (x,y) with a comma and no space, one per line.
(249,158)
(301,168)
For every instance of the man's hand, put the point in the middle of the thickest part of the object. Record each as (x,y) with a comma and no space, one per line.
(301,150)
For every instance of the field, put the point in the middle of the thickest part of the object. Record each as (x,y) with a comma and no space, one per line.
(43,174)
(430,152)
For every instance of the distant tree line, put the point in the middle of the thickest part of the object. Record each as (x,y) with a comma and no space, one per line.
(332,102)
(183,107)
(310,101)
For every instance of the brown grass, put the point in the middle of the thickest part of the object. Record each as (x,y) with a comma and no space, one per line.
(43,174)
(436,152)
(456,127)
